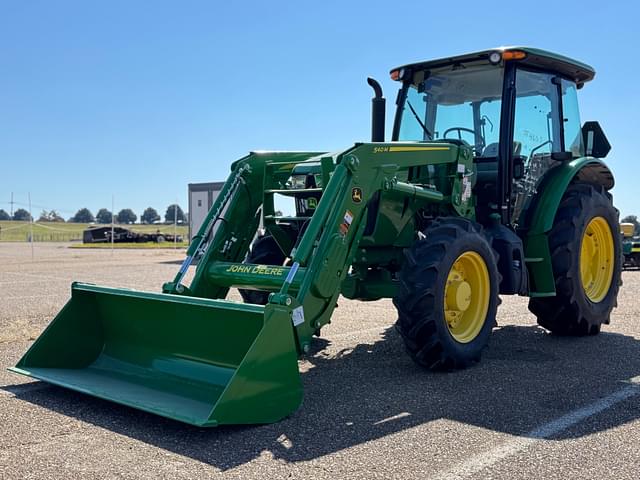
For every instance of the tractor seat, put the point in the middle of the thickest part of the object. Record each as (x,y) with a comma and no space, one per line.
(487,164)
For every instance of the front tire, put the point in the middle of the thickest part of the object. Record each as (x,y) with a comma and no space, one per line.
(586,256)
(264,251)
(448,295)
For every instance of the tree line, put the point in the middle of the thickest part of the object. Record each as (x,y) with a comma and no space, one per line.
(84,215)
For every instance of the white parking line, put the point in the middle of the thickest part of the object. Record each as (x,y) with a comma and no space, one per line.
(475,464)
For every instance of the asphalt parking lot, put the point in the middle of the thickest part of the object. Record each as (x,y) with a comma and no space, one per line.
(537,406)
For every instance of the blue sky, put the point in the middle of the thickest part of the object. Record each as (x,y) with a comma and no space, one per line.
(139,98)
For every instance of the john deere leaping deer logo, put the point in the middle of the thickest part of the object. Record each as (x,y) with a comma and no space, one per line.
(356,194)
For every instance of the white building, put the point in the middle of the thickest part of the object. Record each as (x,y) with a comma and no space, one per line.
(201,198)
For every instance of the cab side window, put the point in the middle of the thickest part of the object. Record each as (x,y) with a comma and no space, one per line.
(536,130)
(536,133)
(571,119)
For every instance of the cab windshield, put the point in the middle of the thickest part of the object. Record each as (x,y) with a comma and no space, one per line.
(457,102)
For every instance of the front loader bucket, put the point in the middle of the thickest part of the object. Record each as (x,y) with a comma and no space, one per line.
(204,362)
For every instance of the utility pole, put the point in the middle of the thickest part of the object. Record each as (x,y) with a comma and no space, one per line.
(175,225)
(30,226)
(112,219)
(11,205)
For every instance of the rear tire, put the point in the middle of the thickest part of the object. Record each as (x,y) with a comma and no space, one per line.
(264,251)
(448,295)
(586,255)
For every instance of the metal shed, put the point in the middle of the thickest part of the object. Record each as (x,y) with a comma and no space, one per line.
(201,198)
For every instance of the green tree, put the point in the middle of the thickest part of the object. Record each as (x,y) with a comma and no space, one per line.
(103,216)
(55,216)
(126,216)
(632,219)
(4,215)
(171,214)
(83,215)
(21,215)
(51,216)
(150,215)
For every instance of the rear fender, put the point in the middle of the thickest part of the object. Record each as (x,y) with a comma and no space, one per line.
(545,205)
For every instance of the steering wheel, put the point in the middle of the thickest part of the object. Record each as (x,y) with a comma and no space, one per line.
(459,130)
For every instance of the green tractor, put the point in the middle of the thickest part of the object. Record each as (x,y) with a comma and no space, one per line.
(489,186)
(630,247)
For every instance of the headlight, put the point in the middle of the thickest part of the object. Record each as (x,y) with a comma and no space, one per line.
(495,57)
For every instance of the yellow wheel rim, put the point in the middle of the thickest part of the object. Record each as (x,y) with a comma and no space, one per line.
(597,259)
(466,296)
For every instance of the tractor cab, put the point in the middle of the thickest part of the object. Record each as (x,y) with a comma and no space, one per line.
(515,108)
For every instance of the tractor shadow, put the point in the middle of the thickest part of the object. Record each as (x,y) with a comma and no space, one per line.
(527,378)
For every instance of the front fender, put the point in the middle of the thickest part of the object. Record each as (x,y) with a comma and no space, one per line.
(545,205)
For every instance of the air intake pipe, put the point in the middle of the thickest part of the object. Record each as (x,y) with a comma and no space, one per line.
(377,112)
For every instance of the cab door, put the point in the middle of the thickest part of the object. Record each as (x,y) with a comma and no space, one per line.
(538,143)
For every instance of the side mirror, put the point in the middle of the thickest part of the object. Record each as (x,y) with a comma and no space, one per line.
(595,141)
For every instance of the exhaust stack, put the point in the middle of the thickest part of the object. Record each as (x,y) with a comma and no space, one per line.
(378,103)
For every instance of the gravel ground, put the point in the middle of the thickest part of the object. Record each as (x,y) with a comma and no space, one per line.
(537,406)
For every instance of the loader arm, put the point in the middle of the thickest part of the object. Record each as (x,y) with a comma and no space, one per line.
(309,285)
(231,223)
(327,249)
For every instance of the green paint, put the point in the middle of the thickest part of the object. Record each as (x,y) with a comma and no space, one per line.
(185,358)
(552,189)
(262,277)
(535,241)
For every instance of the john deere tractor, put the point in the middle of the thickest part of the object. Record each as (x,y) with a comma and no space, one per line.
(630,247)
(489,186)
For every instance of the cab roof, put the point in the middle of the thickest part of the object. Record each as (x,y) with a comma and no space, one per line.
(533,57)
